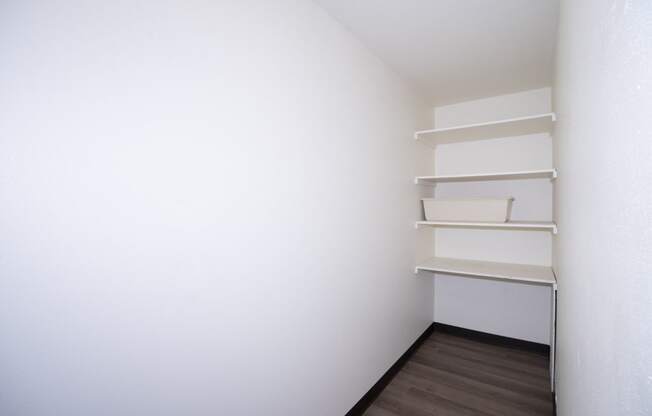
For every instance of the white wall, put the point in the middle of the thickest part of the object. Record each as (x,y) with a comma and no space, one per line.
(509,309)
(205,208)
(603,98)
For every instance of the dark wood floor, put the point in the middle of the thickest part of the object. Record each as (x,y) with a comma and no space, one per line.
(452,375)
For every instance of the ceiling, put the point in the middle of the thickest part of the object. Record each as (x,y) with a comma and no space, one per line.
(457,50)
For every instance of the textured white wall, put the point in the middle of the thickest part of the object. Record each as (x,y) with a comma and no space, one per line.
(206,208)
(603,98)
(503,308)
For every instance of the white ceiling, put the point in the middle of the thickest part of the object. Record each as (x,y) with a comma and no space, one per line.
(456,50)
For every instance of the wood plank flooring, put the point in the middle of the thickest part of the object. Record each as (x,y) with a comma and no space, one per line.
(451,375)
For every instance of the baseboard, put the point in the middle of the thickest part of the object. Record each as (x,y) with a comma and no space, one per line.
(363,404)
(493,339)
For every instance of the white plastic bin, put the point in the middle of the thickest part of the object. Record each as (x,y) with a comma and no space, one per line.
(476,210)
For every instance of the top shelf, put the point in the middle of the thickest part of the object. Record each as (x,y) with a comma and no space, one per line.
(495,176)
(520,126)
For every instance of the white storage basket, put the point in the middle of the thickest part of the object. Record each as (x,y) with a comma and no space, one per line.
(472,210)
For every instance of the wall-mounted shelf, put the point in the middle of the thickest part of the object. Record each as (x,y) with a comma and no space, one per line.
(496,176)
(487,269)
(520,126)
(510,225)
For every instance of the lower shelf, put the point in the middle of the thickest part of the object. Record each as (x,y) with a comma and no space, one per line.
(476,268)
(510,225)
